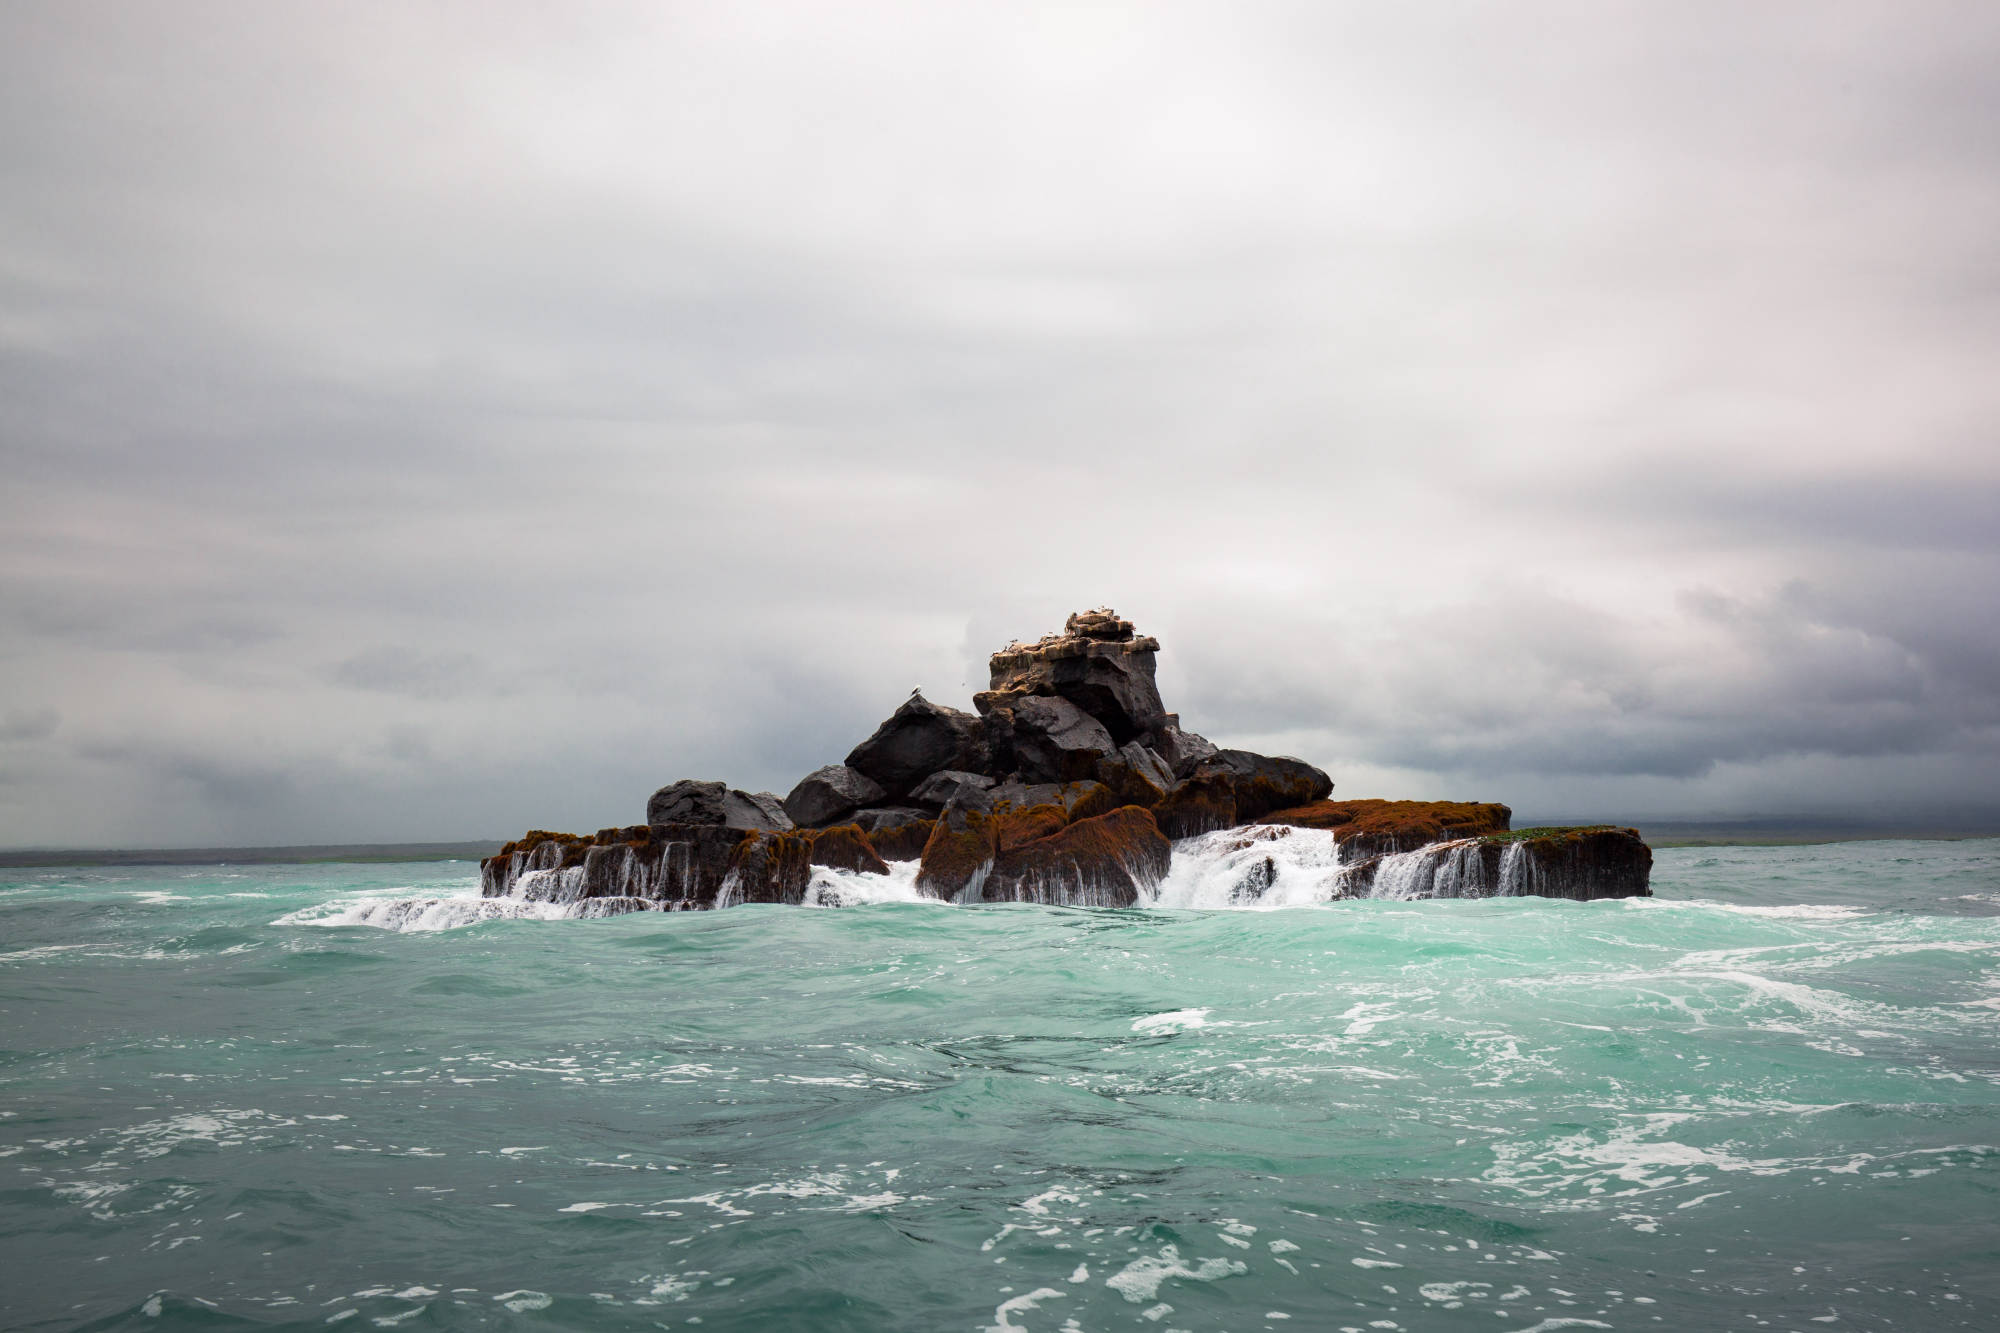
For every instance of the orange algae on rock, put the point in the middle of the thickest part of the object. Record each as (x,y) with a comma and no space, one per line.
(1374,827)
(846,847)
(1013,828)
(958,854)
(1105,861)
(1201,804)
(1087,800)
(902,842)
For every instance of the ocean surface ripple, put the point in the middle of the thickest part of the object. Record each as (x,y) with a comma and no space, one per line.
(299,1096)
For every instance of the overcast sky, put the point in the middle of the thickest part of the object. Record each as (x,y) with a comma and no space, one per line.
(427,422)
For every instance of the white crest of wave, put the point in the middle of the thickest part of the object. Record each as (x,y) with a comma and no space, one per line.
(415,914)
(1180,1020)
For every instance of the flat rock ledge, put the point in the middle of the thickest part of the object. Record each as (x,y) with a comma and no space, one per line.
(1067,786)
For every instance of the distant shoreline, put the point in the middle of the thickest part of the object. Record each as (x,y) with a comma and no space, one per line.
(1789,833)
(1656,833)
(212,856)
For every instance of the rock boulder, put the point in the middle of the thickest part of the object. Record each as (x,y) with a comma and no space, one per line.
(1097,663)
(919,739)
(829,795)
(942,788)
(1047,739)
(692,802)
(1106,861)
(1234,787)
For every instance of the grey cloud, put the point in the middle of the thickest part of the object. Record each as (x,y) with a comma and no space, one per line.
(1727,681)
(242,785)
(400,669)
(29,724)
(447,420)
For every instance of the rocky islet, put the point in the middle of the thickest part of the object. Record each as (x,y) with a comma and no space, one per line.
(1068,785)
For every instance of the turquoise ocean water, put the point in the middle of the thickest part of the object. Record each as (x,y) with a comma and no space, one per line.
(1767,1098)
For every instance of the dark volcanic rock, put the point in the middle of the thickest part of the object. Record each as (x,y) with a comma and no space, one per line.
(942,788)
(1199,803)
(897,832)
(1102,862)
(901,840)
(1136,775)
(1087,800)
(958,855)
(1014,828)
(1234,787)
(1048,740)
(1263,783)
(1021,795)
(768,867)
(919,739)
(1096,663)
(768,804)
(1181,750)
(1578,863)
(1584,863)
(674,865)
(884,818)
(691,802)
(829,795)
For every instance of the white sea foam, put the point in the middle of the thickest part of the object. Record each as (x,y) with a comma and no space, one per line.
(426,914)
(1179,1020)
(1002,1323)
(1139,1281)
(831,887)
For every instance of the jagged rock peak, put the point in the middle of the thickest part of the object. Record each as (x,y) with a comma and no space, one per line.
(1102,631)
(1097,662)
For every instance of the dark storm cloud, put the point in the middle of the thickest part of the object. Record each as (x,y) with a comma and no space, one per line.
(432,422)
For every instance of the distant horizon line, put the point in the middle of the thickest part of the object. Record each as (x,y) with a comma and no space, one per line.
(1748,830)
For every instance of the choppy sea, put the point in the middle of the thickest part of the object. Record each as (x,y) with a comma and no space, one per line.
(1768,1097)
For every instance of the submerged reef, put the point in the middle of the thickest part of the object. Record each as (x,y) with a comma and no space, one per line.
(1069,784)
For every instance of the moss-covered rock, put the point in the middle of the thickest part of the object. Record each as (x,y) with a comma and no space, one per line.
(1584,864)
(846,847)
(1197,804)
(901,840)
(958,855)
(1375,827)
(1104,861)
(1595,861)
(1136,776)
(1086,800)
(1014,828)
(769,867)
